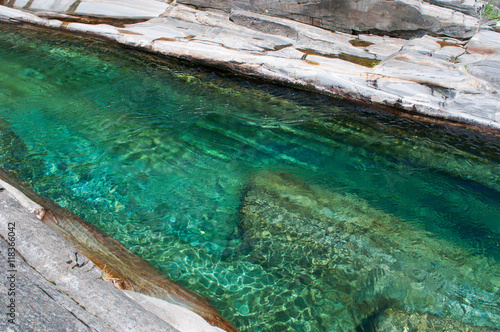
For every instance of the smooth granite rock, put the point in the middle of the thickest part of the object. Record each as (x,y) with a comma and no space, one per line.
(70,286)
(38,304)
(76,286)
(396,17)
(469,7)
(439,77)
(118,8)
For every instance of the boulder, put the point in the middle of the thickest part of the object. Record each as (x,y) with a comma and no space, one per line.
(363,260)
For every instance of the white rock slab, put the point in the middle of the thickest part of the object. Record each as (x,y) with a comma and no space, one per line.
(430,75)
(121,8)
(177,316)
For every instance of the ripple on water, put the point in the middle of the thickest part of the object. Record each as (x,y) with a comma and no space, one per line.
(371,217)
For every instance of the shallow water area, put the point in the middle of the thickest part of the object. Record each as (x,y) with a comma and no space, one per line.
(288,210)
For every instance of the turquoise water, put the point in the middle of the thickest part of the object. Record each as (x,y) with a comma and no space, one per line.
(290,211)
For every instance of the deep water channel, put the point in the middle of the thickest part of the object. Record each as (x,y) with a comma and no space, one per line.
(288,210)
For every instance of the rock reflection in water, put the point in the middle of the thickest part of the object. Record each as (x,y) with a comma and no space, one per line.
(355,262)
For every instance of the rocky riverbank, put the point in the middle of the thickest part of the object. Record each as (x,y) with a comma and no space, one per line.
(65,273)
(446,67)
(443,64)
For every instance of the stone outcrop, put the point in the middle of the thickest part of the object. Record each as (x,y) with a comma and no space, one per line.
(439,77)
(81,265)
(450,18)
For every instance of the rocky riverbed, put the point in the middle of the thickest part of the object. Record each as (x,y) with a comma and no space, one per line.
(435,58)
(446,66)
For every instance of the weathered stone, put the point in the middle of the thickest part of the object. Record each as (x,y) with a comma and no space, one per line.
(487,70)
(38,304)
(485,43)
(44,249)
(469,7)
(263,23)
(113,8)
(73,285)
(428,75)
(367,15)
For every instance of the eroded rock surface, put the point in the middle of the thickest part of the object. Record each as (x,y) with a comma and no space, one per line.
(53,249)
(440,77)
(451,18)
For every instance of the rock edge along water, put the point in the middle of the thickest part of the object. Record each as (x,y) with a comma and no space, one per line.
(440,77)
(120,267)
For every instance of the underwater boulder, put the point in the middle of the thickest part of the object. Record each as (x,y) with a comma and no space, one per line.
(362,260)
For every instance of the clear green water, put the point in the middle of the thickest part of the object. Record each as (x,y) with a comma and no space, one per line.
(160,157)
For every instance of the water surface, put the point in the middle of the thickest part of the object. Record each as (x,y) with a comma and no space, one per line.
(169,160)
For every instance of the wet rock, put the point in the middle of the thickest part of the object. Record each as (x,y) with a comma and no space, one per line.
(367,260)
(394,321)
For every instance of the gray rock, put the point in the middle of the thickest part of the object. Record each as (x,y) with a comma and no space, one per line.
(38,304)
(438,17)
(428,75)
(65,280)
(263,23)
(486,69)
(109,8)
(469,7)
(70,291)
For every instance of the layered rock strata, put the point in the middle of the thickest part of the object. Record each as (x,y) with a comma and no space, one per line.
(441,77)
(450,18)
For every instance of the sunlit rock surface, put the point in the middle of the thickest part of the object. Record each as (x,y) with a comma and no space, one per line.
(440,77)
(113,8)
(368,261)
(439,17)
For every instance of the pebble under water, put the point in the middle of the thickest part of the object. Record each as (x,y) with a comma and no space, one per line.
(290,211)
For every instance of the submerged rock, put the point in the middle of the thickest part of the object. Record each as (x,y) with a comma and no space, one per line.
(396,321)
(367,261)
